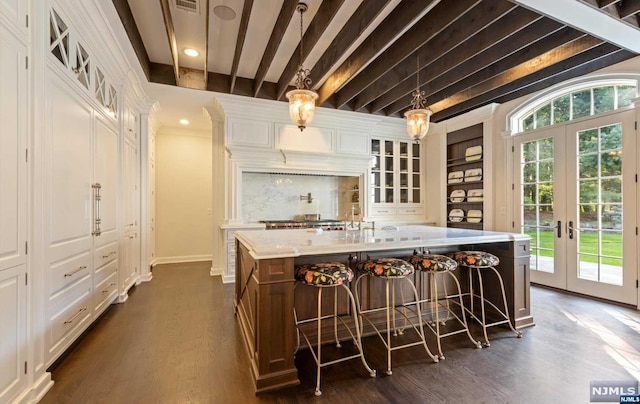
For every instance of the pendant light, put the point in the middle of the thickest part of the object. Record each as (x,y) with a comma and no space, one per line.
(418,116)
(302,100)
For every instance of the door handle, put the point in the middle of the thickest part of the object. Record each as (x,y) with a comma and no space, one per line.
(559,227)
(570,230)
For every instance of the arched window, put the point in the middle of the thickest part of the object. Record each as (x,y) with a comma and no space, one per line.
(567,103)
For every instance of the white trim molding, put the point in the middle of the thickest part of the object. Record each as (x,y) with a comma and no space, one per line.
(181,259)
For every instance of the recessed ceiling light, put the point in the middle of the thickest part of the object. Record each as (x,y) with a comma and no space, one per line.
(184,121)
(224,13)
(191,52)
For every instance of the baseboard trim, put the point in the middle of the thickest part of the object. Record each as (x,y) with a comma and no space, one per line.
(215,271)
(146,277)
(185,258)
(41,387)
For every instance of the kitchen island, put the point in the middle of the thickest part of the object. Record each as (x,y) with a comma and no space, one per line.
(265,281)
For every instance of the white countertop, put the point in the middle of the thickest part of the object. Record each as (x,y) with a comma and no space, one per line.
(265,244)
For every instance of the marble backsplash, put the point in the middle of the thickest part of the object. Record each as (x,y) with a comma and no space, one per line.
(270,196)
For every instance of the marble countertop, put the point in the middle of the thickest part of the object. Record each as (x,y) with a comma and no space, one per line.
(264,244)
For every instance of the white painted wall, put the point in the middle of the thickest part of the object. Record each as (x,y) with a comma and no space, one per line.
(184,225)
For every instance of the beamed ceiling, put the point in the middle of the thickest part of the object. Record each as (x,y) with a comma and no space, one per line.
(363,55)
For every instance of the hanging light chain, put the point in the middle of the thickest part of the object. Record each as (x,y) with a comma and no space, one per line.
(303,79)
(419,101)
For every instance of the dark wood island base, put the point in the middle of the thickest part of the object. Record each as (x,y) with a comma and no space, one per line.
(265,289)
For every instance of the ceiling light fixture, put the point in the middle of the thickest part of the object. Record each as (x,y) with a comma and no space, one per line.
(184,122)
(190,52)
(418,116)
(302,100)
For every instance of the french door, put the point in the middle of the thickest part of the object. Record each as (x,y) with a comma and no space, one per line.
(576,196)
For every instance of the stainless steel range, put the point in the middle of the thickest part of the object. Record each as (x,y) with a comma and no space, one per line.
(304,224)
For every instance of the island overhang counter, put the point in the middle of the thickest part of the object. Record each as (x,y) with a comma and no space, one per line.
(264,288)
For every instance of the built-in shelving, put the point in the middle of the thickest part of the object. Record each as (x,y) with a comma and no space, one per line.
(459,145)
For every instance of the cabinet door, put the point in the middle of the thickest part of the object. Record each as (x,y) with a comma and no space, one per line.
(130,194)
(382,172)
(106,174)
(13,332)
(13,145)
(16,12)
(129,264)
(68,200)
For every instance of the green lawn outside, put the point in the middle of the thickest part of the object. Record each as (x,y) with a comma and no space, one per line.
(611,245)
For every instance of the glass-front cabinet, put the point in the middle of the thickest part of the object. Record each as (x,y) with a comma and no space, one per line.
(395,178)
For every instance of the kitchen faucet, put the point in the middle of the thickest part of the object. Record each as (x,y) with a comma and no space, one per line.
(306,197)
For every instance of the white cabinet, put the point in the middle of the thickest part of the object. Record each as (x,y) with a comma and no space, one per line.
(129,268)
(14,13)
(80,195)
(13,332)
(13,213)
(395,179)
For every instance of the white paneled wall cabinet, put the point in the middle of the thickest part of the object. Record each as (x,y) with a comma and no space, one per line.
(69,184)
(13,204)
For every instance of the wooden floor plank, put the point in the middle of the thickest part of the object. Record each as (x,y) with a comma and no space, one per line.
(176,340)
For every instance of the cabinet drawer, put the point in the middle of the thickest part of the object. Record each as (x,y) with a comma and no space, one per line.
(105,272)
(105,254)
(384,211)
(68,271)
(104,292)
(69,313)
(411,211)
(231,248)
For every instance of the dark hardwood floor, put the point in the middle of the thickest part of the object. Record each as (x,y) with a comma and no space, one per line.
(176,340)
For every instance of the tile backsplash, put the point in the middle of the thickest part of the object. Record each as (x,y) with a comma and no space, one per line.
(270,196)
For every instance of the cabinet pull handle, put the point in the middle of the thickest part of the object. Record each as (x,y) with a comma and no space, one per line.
(106,256)
(130,237)
(75,271)
(108,288)
(96,209)
(75,316)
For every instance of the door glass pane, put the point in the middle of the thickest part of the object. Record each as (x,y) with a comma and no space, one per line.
(536,173)
(600,198)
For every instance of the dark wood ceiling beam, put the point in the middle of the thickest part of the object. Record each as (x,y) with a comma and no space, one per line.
(287,11)
(628,8)
(402,15)
(445,15)
(242,34)
(325,14)
(554,57)
(490,64)
(206,44)
(131,28)
(457,65)
(595,59)
(481,31)
(171,36)
(352,30)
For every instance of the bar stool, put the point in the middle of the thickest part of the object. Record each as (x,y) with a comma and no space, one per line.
(481,261)
(434,265)
(392,270)
(321,276)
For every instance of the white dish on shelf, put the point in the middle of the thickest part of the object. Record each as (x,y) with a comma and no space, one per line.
(473,153)
(456,215)
(457,195)
(473,175)
(455,177)
(474,216)
(475,195)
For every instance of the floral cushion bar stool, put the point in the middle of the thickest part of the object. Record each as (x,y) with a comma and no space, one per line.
(434,266)
(332,275)
(393,271)
(478,262)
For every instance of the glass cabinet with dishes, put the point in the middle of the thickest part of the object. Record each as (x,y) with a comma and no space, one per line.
(465,185)
(395,178)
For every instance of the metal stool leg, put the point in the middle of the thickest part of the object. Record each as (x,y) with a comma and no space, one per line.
(504,299)
(318,360)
